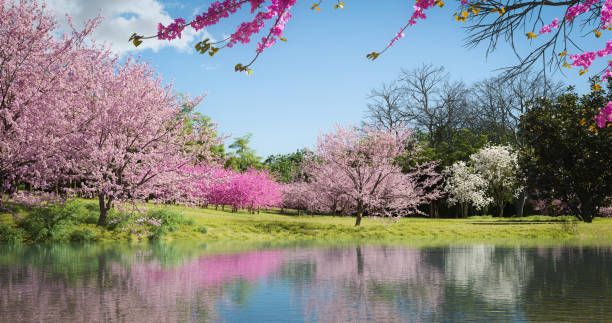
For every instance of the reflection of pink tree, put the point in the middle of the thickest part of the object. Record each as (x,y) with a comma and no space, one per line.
(131,292)
(365,283)
(216,269)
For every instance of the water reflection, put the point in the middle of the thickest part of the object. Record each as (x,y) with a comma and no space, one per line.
(165,283)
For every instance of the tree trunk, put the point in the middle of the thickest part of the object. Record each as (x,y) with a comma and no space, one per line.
(586,208)
(519,203)
(501,209)
(104,207)
(359,216)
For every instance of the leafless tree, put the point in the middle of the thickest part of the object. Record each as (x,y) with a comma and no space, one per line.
(384,109)
(433,103)
(519,17)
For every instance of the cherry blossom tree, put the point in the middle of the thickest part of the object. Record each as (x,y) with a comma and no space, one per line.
(251,190)
(134,145)
(38,82)
(465,187)
(359,169)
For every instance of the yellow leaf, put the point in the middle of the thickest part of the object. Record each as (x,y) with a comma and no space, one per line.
(475,11)
(563,54)
(341,5)
(249,72)
(597,33)
(596,87)
(464,14)
(283,39)
(583,122)
(531,35)
(582,72)
(318,9)
(336,6)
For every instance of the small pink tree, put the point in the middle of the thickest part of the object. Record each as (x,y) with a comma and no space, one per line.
(359,170)
(250,190)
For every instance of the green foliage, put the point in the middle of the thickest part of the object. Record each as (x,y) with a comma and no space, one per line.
(567,156)
(203,229)
(460,146)
(286,168)
(242,157)
(170,222)
(196,120)
(50,223)
(10,234)
(85,235)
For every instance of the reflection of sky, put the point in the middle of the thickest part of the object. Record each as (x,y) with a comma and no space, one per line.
(269,302)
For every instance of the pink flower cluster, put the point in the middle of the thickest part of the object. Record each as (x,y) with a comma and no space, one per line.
(585,59)
(172,31)
(419,9)
(250,190)
(606,15)
(579,9)
(548,28)
(397,37)
(604,115)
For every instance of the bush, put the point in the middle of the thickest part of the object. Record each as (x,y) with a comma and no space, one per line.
(10,234)
(85,235)
(203,229)
(48,223)
(153,225)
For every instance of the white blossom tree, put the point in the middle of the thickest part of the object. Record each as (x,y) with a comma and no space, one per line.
(465,187)
(499,167)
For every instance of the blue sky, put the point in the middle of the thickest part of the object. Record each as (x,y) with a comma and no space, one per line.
(318,78)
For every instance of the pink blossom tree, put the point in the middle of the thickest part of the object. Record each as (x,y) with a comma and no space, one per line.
(358,169)
(250,190)
(134,145)
(38,74)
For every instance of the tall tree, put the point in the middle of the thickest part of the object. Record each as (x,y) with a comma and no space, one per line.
(385,107)
(39,78)
(570,160)
(242,157)
(136,143)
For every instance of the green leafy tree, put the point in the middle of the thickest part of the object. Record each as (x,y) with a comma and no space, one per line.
(566,159)
(286,168)
(242,157)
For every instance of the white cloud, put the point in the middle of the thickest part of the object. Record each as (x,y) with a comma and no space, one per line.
(122,18)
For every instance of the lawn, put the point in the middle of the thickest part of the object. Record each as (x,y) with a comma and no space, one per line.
(210,225)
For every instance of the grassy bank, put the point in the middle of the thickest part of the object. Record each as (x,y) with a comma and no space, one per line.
(209,225)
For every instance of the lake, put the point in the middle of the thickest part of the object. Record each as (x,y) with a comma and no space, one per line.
(302,283)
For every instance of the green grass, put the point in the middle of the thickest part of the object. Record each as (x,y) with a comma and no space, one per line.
(209,225)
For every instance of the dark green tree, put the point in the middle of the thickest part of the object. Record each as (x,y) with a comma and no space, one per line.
(286,168)
(566,156)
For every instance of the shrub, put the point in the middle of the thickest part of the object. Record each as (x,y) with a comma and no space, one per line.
(48,223)
(203,229)
(10,234)
(85,235)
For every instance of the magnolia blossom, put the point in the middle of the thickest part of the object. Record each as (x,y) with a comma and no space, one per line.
(498,166)
(464,186)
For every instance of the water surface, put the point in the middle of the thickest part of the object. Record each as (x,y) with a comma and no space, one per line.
(199,283)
